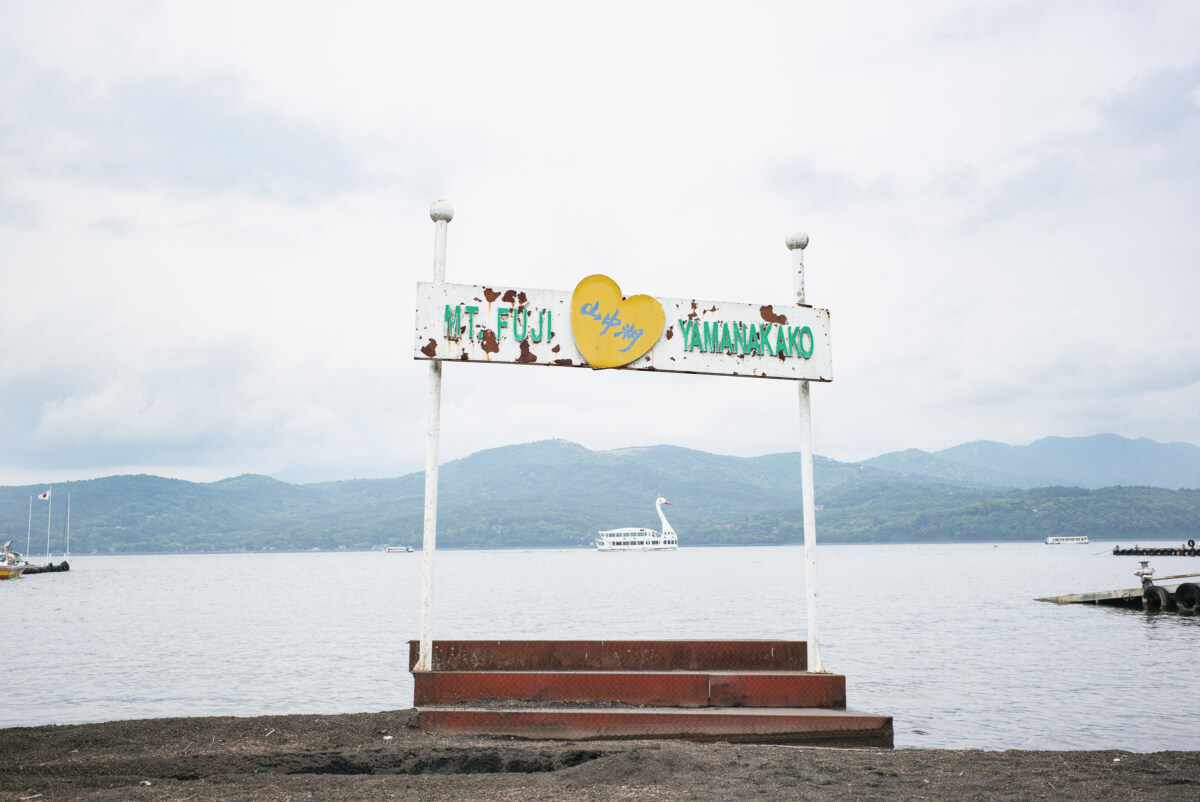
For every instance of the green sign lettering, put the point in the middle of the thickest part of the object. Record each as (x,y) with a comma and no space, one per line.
(453,323)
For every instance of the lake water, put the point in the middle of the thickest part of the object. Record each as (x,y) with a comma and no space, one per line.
(947,639)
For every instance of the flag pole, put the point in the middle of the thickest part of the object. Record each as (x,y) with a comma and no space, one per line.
(49,504)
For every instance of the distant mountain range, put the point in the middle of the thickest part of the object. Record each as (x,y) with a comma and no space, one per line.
(1103,460)
(557,493)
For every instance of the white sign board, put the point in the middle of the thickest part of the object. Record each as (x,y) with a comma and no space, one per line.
(508,325)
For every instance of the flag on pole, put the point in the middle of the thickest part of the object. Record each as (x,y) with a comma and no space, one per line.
(45,495)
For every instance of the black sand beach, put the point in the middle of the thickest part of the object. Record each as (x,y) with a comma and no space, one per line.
(381,756)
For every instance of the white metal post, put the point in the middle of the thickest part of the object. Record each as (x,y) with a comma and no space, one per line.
(797,241)
(29,528)
(442,212)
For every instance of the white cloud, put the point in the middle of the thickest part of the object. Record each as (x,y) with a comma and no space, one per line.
(213,216)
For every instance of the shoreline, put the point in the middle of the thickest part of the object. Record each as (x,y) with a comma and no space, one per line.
(373,756)
(1100,540)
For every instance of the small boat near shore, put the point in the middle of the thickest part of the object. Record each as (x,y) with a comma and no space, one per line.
(12,564)
(640,539)
(1065,540)
(397,549)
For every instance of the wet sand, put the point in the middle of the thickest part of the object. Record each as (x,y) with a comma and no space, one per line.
(379,756)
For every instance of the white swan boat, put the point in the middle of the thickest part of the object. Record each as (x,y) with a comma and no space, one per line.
(639,539)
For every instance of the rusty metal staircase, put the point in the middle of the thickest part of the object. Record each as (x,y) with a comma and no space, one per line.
(752,691)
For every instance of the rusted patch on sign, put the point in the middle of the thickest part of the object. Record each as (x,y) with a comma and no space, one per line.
(768,314)
(566,363)
(509,297)
(488,342)
(490,294)
(527,355)
(556,348)
(430,350)
(670,332)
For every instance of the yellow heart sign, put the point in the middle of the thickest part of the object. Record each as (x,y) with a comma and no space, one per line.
(611,330)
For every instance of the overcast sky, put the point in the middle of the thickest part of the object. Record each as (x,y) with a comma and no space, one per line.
(213,217)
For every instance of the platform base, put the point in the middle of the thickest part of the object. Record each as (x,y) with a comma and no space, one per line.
(740,691)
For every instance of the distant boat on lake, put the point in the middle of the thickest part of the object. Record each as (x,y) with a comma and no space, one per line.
(397,549)
(1062,540)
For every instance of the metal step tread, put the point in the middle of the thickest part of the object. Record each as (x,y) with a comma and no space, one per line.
(707,712)
(683,672)
(822,726)
(634,655)
(689,689)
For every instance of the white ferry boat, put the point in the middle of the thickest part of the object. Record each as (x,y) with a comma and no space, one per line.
(639,539)
(1058,541)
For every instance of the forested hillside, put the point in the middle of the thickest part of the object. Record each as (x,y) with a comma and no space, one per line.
(555,493)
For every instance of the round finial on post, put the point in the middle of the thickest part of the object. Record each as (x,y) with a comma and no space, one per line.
(441,211)
(797,239)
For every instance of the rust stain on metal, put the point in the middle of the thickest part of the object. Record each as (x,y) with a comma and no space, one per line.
(430,349)
(490,294)
(464,357)
(670,332)
(522,298)
(650,689)
(510,297)
(776,689)
(555,348)
(768,314)
(489,343)
(566,363)
(693,314)
(527,356)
